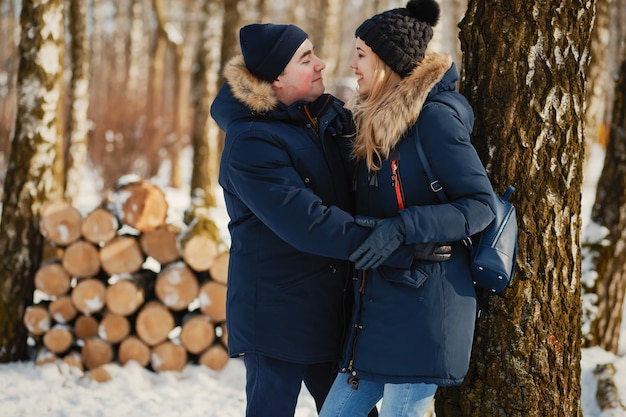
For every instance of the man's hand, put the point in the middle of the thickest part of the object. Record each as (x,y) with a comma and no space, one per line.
(343,122)
(387,236)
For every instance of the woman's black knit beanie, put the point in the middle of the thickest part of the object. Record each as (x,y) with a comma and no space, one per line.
(400,36)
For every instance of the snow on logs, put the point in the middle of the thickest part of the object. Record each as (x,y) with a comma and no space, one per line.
(121,284)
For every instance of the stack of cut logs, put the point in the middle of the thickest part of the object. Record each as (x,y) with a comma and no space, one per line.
(122,284)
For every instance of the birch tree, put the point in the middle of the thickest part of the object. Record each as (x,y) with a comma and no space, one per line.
(29,180)
(206,134)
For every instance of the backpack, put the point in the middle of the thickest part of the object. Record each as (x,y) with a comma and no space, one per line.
(492,251)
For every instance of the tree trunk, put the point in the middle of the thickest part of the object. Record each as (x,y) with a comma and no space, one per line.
(330,46)
(206,133)
(137,63)
(76,157)
(174,39)
(609,212)
(231,23)
(29,178)
(599,80)
(524,74)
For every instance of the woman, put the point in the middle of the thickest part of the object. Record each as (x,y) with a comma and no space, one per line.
(412,329)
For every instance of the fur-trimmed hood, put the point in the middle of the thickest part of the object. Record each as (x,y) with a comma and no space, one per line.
(255,93)
(242,95)
(401,108)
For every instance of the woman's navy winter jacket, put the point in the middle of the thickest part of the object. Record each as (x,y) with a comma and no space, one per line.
(288,199)
(417,324)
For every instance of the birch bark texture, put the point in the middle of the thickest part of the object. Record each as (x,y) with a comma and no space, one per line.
(29,180)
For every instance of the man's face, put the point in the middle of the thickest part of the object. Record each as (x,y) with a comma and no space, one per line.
(302,77)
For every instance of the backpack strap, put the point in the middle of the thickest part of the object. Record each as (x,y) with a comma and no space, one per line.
(448,101)
(434,182)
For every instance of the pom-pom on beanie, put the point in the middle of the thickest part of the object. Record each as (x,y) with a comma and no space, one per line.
(400,36)
(267,48)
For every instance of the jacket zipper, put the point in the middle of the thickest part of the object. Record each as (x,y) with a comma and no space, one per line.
(357,325)
(396,183)
(357,331)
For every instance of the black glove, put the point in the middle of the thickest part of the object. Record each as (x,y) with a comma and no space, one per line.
(343,122)
(387,236)
(433,252)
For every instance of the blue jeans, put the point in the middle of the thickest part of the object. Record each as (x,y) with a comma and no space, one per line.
(354,398)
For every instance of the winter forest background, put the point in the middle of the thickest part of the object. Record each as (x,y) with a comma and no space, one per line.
(109,88)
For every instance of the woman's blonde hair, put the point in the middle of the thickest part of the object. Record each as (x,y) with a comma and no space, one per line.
(367,144)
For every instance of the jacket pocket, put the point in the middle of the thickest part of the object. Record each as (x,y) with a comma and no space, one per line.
(414,277)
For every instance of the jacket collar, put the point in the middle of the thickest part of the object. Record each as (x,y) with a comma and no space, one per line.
(401,108)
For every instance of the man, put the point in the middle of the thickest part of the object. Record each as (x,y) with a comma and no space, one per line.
(288,197)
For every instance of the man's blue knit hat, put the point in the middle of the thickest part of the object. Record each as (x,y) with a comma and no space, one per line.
(268,48)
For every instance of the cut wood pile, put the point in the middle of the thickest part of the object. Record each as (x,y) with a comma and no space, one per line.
(120,284)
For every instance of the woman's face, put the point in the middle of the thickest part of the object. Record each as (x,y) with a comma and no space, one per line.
(363,63)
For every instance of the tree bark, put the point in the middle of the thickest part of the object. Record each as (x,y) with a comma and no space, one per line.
(29,178)
(524,74)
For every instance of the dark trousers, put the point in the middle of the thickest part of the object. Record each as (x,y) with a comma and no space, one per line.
(273,386)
